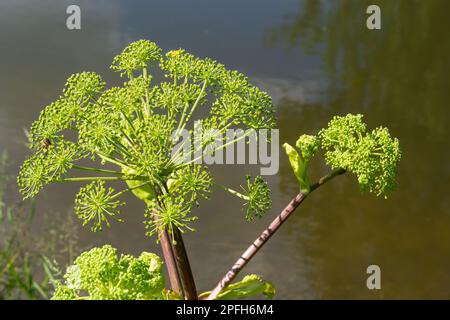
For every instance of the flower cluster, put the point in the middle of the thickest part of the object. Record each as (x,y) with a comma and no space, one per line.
(168,213)
(94,204)
(257,194)
(130,129)
(308,146)
(137,56)
(372,156)
(100,274)
(47,166)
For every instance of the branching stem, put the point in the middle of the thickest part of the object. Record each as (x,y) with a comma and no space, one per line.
(233,192)
(267,234)
(88,179)
(74,166)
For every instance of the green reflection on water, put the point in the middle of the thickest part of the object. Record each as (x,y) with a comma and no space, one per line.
(398,77)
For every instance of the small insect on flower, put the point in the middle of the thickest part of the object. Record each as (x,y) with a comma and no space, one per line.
(45,144)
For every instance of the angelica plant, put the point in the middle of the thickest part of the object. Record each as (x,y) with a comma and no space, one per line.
(100,274)
(348,147)
(257,197)
(308,146)
(129,133)
(372,156)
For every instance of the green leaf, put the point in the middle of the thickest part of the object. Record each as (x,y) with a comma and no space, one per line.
(251,286)
(299,167)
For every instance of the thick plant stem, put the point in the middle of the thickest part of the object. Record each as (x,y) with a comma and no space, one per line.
(170,262)
(267,234)
(169,257)
(183,266)
(176,259)
(177,264)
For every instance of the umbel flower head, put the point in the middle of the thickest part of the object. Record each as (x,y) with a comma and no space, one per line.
(128,133)
(372,156)
(257,194)
(96,204)
(100,274)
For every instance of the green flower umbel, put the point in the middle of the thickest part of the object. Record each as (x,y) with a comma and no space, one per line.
(100,274)
(372,156)
(133,129)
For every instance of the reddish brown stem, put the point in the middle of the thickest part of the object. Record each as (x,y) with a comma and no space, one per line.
(170,261)
(183,266)
(177,263)
(176,259)
(267,234)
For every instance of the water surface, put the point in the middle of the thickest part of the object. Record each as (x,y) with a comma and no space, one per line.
(316,59)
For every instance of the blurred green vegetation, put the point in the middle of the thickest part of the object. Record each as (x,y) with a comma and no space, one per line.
(398,77)
(28,259)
